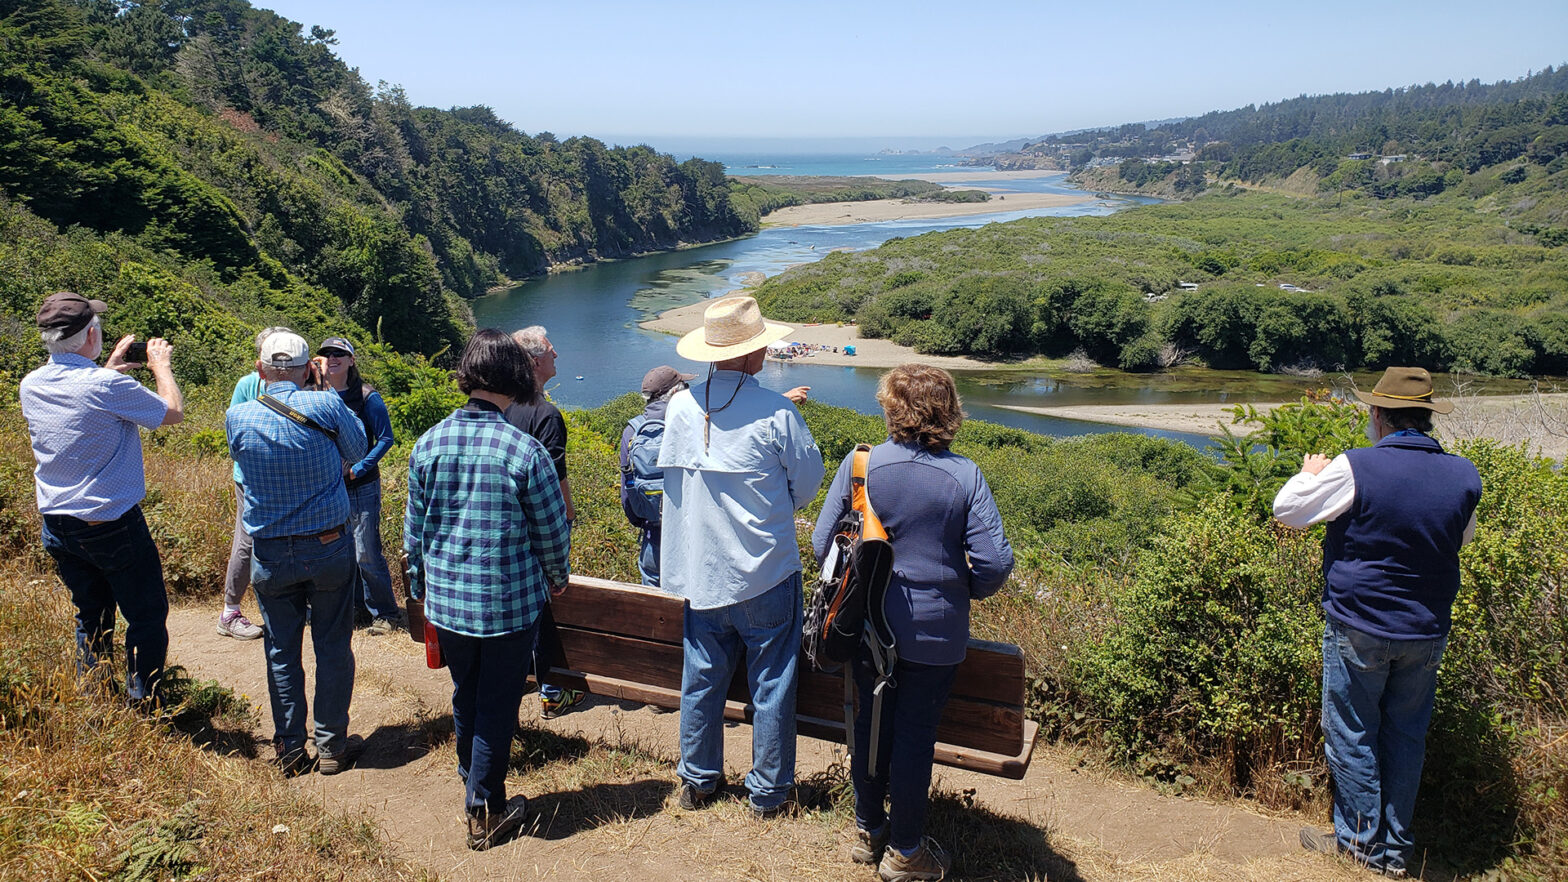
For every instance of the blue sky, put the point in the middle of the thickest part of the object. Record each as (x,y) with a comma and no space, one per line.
(684,74)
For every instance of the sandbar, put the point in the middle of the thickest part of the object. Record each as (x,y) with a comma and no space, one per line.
(880,210)
(1539,420)
(868,353)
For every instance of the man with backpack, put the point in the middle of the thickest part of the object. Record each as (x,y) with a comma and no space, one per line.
(642,481)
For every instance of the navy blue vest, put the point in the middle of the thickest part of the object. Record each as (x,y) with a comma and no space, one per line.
(1391,563)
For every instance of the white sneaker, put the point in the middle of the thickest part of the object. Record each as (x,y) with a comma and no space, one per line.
(234,624)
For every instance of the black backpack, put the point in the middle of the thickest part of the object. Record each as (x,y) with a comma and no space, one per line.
(847,607)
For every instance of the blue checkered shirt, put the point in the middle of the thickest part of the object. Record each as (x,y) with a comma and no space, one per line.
(293,474)
(485,530)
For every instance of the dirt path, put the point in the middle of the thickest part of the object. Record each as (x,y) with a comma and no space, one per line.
(606,813)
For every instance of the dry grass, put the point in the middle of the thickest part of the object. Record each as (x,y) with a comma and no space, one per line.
(92,790)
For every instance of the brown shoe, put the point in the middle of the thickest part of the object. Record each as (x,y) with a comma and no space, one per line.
(495,828)
(869,847)
(929,862)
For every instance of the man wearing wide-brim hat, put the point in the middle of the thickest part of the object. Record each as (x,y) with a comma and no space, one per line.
(738,463)
(1397,514)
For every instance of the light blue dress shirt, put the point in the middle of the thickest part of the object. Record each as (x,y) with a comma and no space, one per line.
(83,422)
(730,501)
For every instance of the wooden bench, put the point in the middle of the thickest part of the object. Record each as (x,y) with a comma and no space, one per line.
(624,641)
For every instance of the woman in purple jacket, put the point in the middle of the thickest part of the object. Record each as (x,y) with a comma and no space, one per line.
(949,549)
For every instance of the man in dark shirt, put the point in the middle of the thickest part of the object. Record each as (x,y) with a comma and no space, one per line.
(542,419)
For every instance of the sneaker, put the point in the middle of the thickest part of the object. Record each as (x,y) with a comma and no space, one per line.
(1321,841)
(693,799)
(344,759)
(1325,842)
(292,763)
(550,708)
(869,846)
(234,624)
(383,625)
(800,796)
(929,862)
(494,828)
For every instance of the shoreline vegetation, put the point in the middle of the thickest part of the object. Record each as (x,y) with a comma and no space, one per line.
(1539,419)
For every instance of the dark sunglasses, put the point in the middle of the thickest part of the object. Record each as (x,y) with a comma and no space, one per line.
(333,353)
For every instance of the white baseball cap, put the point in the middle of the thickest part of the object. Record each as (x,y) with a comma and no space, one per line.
(285,350)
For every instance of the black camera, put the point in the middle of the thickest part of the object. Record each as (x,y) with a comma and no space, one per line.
(136,353)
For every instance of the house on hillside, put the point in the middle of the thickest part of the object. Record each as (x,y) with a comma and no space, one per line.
(1355,156)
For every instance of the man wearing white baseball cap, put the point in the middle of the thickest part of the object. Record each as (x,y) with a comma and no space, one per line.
(738,463)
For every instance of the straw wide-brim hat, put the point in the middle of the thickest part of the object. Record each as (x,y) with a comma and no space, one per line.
(731,327)
(1405,387)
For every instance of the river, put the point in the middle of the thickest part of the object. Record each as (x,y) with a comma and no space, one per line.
(592,316)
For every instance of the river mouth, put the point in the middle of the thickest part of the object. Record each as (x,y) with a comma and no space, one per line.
(592,317)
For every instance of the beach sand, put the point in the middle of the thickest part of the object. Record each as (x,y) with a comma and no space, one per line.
(879,210)
(868,353)
(1540,420)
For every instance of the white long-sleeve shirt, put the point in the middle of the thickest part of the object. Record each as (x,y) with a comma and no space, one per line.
(1308,499)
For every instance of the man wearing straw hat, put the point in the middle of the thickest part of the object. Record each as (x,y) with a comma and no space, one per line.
(1397,514)
(738,463)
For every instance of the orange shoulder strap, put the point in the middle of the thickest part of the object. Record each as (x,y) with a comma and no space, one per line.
(871,527)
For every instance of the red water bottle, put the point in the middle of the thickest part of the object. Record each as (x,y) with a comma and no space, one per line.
(433,659)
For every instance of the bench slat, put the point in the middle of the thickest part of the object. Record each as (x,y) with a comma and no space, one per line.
(1011,765)
(990,672)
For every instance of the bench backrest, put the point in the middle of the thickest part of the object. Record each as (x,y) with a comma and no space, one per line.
(624,641)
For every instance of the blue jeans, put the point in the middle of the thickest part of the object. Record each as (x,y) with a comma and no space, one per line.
(487,688)
(648,557)
(911,707)
(295,579)
(1377,702)
(109,565)
(766,629)
(373,579)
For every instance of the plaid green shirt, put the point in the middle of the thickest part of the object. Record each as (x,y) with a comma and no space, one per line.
(485,529)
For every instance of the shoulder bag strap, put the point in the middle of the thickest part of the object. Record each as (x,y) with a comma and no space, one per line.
(297,417)
(859,498)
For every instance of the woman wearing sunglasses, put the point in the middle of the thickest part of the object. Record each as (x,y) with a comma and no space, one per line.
(373,588)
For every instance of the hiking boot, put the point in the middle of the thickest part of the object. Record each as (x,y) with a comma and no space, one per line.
(693,799)
(232,623)
(869,846)
(343,760)
(384,625)
(929,862)
(494,828)
(550,708)
(292,763)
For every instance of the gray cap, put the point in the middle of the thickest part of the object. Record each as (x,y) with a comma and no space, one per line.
(661,380)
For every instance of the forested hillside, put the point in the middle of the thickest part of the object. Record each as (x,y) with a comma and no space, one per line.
(215,157)
(1452,257)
